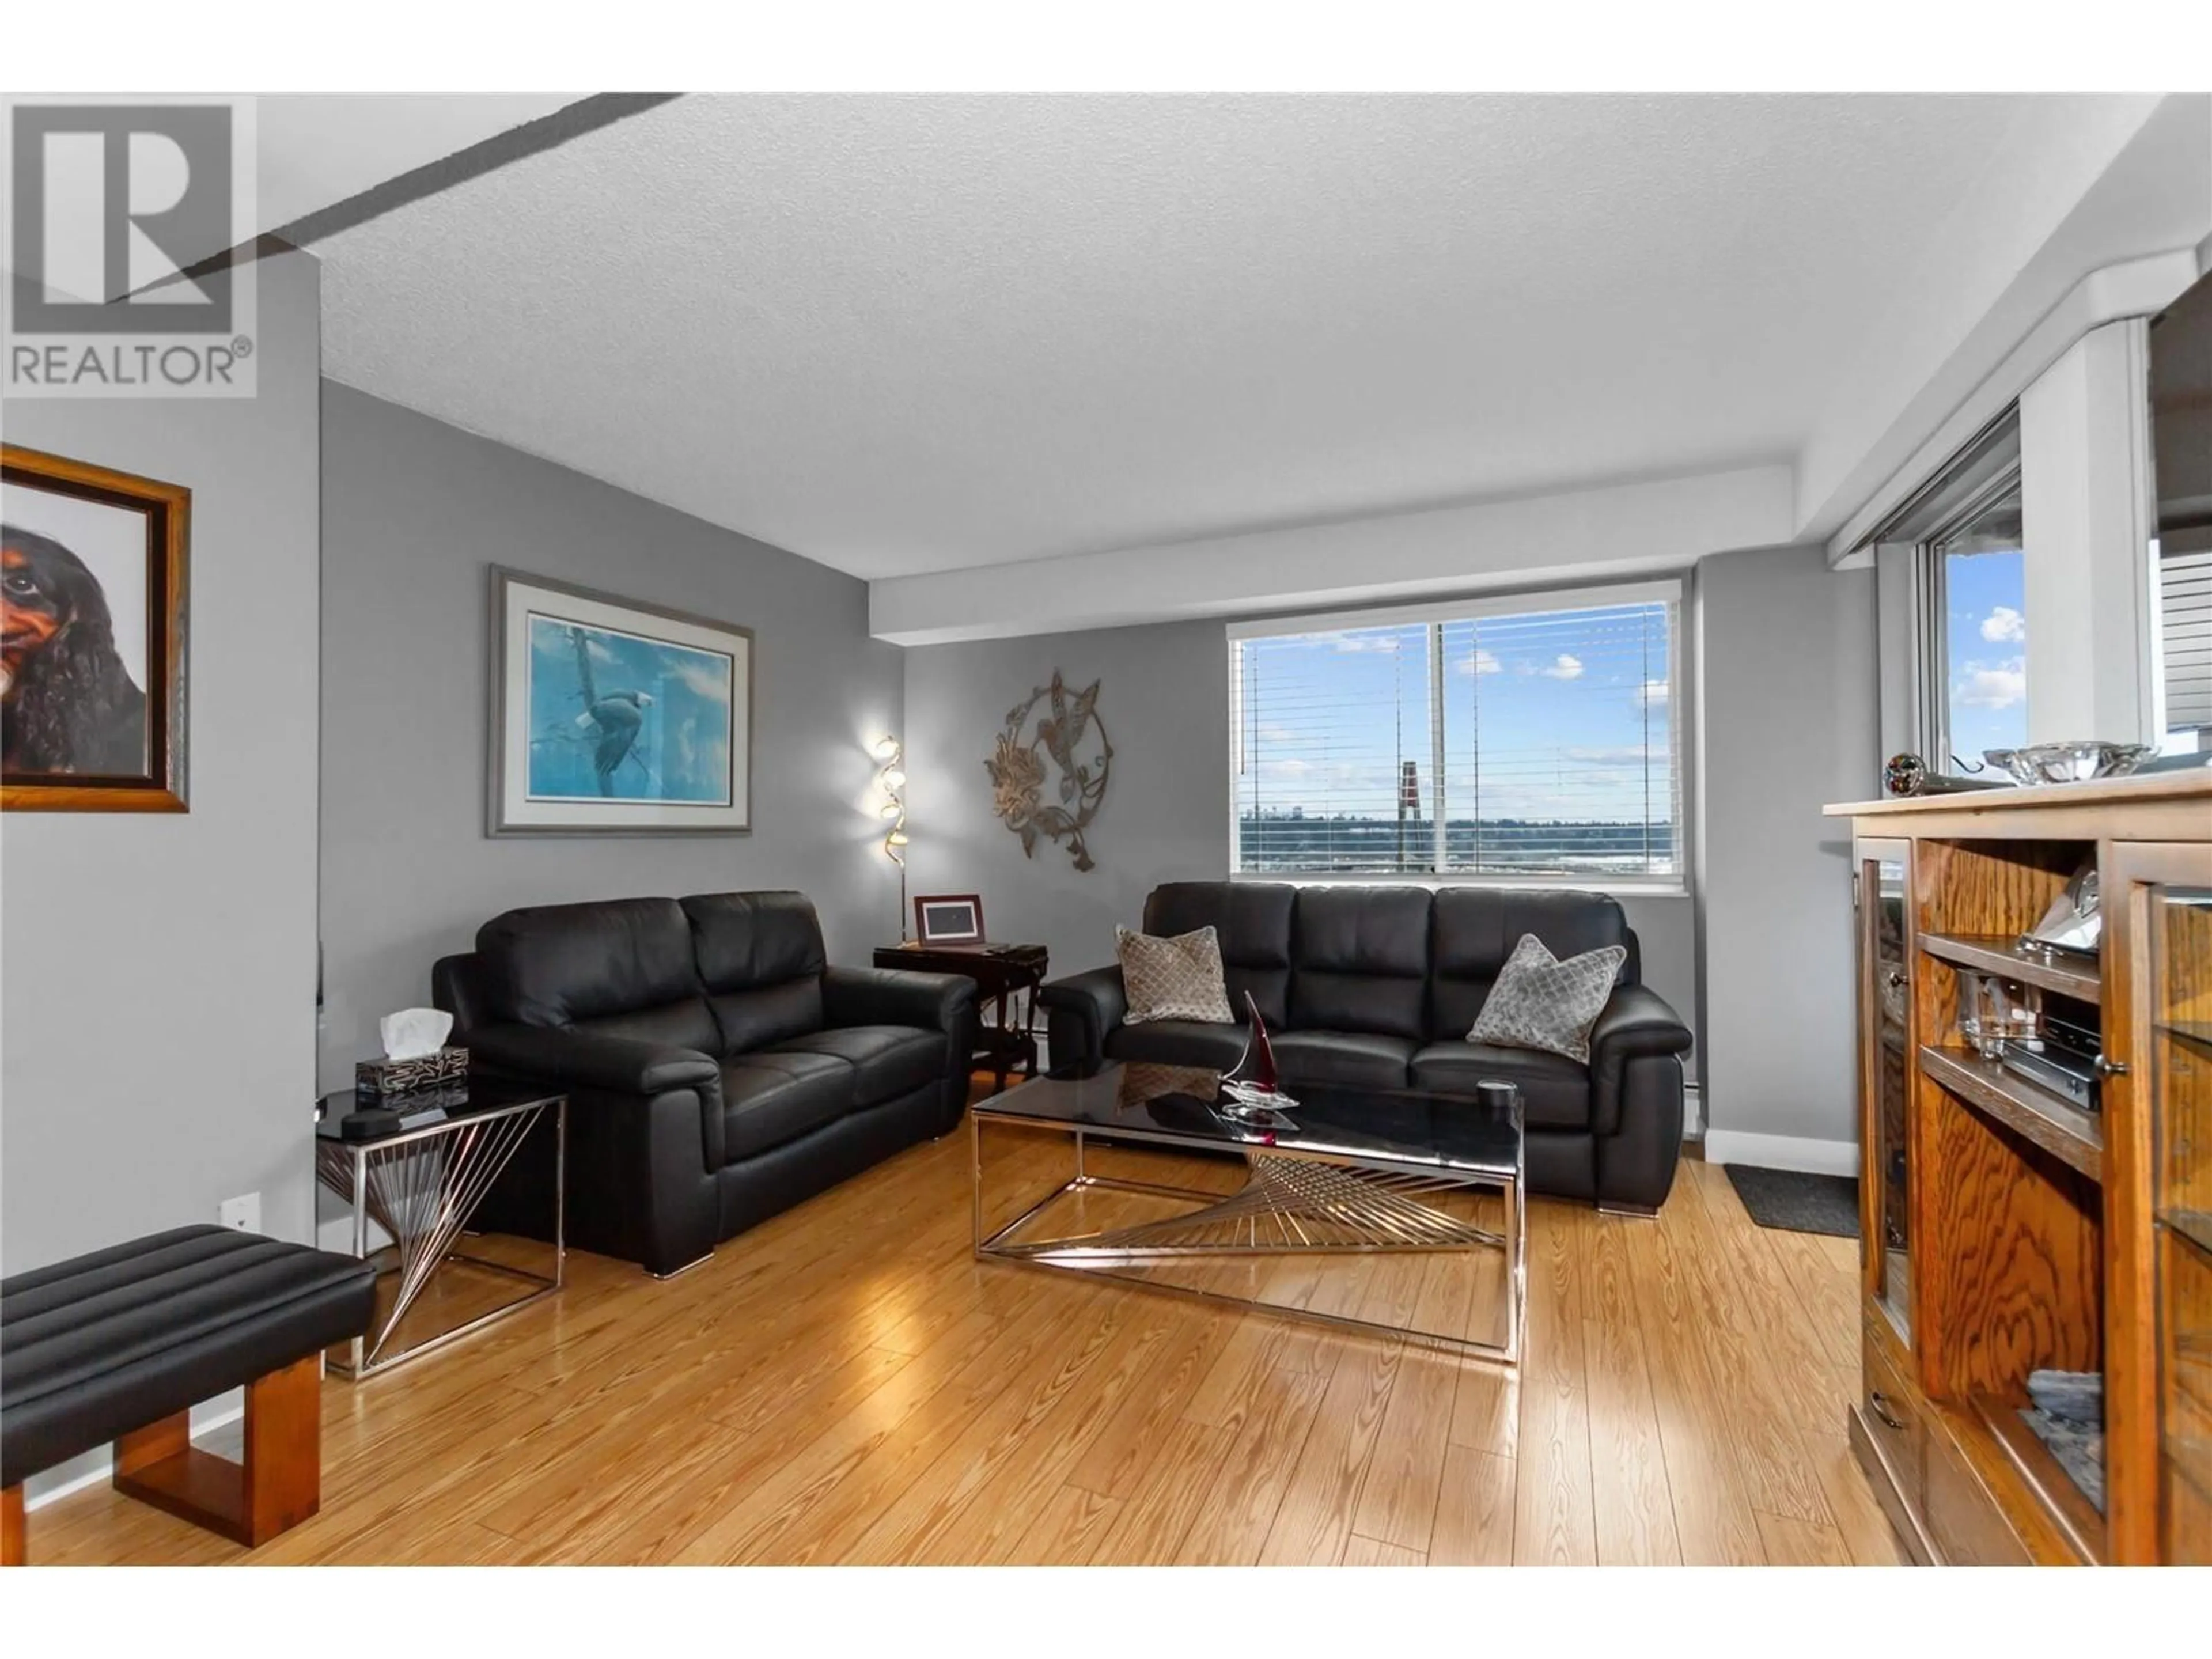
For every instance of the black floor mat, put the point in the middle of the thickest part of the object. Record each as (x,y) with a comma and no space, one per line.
(1798,1203)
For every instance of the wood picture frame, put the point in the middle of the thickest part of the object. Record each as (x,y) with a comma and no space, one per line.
(611,716)
(93,573)
(948,918)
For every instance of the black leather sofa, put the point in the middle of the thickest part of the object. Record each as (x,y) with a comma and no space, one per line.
(1379,986)
(718,1070)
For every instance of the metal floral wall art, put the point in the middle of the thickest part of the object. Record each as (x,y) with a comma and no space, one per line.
(1054,742)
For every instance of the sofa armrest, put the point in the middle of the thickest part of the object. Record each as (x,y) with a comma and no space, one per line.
(1634,1023)
(1636,1020)
(645,1136)
(592,1060)
(897,996)
(1080,1010)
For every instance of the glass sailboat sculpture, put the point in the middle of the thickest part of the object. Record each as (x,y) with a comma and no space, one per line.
(1251,1083)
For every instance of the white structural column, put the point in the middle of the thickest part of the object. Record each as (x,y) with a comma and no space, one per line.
(2085,476)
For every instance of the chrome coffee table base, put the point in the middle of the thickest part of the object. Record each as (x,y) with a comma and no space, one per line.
(1292,1204)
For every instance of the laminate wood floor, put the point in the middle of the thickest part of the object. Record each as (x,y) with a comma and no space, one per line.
(846,1384)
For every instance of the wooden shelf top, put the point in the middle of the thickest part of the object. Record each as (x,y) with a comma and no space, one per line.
(2073,1136)
(2195,1225)
(2045,1479)
(2196,1031)
(2194,782)
(2190,1461)
(1992,953)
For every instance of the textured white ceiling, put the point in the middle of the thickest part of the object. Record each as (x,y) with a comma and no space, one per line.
(315,149)
(901,334)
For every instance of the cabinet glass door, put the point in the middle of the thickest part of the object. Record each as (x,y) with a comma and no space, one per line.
(1885,1026)
(2179,939)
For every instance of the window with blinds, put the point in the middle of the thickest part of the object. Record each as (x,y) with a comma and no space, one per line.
(2185,620)
(1532,739)
(2180,373)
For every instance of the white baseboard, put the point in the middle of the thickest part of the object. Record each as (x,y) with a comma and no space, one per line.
(1836,1157)
(94,1466)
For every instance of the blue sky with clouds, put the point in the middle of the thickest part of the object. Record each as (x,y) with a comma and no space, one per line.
(1985,633)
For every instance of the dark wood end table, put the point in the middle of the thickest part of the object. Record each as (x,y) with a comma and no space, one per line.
(1008,977)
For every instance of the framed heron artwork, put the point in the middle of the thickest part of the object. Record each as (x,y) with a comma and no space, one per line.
(613,717)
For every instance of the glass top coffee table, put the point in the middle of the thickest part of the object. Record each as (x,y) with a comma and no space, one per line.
(1391,1211)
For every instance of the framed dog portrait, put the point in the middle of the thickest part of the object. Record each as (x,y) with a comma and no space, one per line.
(612,717)
(92,637)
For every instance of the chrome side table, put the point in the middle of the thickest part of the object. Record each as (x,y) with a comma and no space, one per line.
(421,1188)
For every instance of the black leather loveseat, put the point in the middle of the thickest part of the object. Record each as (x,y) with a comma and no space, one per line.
(1379,986)
(717,1069)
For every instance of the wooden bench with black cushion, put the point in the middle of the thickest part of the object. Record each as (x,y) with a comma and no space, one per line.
(118,1346)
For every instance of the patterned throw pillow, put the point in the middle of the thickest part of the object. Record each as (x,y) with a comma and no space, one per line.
(1541,1002)
(1177,978)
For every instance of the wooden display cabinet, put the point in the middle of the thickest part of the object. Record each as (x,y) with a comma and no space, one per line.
(2006,1229)
(1885,969)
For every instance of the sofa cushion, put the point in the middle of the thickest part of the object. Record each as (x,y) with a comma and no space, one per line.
(887,1060)
(1351,1059)
(683,1024)
(556,964)
(1555,1092)
(764,1017)
(1360,960)
(770,1098)
(749,939)
(1251,919)
(1476,929)
(1177,1043)
(761,961)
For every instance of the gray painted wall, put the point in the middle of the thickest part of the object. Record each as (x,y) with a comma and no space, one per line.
(157,1023)
(414,511)
(1667,929)
(1788,722)
(1164,698)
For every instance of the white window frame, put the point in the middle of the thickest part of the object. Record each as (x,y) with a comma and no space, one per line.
(1975,474)
(1932,620)
(1670,590)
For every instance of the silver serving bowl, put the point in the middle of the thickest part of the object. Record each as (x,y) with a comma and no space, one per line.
(2069,763)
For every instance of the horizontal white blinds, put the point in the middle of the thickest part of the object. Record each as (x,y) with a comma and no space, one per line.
(2185,635)
(1558,751)
(1333,728)
(1540,743)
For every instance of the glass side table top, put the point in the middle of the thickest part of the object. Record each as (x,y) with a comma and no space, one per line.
(477,1098)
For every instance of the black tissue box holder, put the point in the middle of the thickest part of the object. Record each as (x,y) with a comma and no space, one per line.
(390,1079)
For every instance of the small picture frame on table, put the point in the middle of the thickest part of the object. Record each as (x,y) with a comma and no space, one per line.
(948,918)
